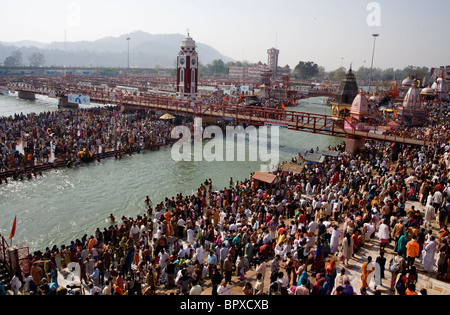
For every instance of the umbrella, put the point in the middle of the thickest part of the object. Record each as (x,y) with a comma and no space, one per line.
(167,117)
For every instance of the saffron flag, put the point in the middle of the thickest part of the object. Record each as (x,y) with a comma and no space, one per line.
(395,114)
(293,102)
(13,231)
(282,105)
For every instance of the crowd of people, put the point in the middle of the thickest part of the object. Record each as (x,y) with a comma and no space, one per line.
(76,136)
(436,128)
(292,235)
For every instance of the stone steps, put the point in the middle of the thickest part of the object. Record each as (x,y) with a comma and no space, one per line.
(5,275)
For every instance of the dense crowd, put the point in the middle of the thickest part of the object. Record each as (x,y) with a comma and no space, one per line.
(295,231)
(77,135)
(436,129)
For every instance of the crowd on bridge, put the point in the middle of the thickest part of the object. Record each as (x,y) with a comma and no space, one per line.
(75,136)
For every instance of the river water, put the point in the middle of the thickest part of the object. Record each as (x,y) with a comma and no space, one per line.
(65,204)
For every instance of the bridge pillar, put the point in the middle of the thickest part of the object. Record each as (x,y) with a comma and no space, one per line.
(13,257)
(24,95)
(64,102)
(352,145)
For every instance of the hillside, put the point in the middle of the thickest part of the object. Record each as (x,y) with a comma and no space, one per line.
(146,51)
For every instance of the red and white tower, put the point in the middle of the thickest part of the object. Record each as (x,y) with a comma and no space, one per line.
(187,69)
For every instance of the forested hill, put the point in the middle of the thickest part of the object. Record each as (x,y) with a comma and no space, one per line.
(146,51)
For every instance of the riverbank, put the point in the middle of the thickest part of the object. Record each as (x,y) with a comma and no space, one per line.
(71,136)
(36,170)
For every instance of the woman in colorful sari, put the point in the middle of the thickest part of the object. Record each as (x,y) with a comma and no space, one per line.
(331,273)
(319,284)
(318,258)
(402,242)
(304,276)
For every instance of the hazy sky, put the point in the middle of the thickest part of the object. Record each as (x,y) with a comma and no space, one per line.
(328,32)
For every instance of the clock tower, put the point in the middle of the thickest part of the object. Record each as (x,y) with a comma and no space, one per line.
(187,69)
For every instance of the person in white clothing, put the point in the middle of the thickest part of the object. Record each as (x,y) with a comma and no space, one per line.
(312,226)
(429,215)
(335,236)
(368,229)
(224,289)
(437,200)
(196,288)
(190,236)
(163,257)
(135,232)
(200,255)
(428,255)
(181,224)
(262,270)
(15,285)
(383,234)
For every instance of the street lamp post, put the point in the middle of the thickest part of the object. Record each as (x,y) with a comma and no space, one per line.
(373,54)
(128,40)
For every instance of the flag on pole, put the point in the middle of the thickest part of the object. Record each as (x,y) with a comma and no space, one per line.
(395,114)
(293,102)
(282,105)
(13,231)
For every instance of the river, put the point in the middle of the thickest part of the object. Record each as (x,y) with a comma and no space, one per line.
(65,204)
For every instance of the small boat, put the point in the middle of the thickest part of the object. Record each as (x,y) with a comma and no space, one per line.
(4,90)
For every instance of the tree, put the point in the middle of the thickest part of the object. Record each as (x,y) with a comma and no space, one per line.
(322,72)
(306,70)
(338,74)
(17,54)
(417,72)
(218,67)
(387,74)
(37,60)
(14,60)
(363,74)
(10,62)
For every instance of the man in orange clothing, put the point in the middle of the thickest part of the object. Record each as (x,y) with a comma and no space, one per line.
(411,289)
(91,243)
(412,251)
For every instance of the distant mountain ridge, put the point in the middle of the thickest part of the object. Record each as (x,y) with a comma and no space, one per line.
(146,51)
